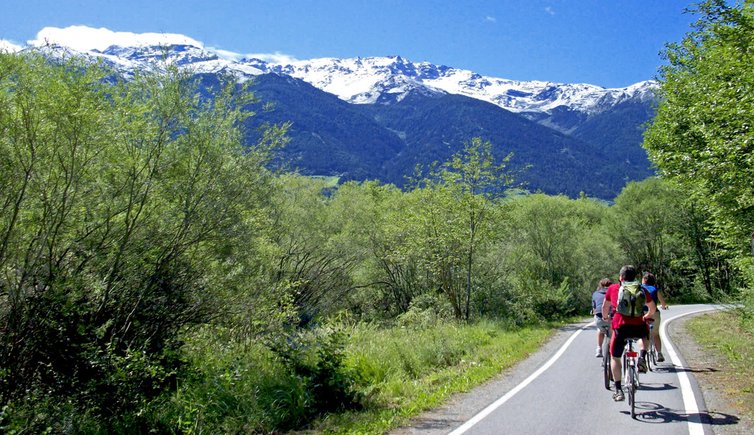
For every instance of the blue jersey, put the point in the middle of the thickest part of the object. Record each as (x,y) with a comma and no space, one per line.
(598,297)
(652,291)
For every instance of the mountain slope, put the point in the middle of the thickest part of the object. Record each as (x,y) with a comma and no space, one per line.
(327,136)
(437,126)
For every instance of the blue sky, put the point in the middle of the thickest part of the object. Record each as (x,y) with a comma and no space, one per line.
(611,43)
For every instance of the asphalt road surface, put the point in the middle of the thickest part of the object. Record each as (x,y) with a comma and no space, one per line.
(559,390)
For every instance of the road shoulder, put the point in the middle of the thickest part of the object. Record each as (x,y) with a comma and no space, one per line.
(713,376)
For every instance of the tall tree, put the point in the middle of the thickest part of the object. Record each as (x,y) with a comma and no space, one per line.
(457,213)
(702,135)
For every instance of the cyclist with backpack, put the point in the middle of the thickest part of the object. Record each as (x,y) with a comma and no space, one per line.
(627,299)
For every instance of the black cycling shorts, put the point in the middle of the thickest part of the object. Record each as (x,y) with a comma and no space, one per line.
(618,342)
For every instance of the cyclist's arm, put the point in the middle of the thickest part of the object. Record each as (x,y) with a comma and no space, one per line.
(662,300)
(606,309)
(652,308)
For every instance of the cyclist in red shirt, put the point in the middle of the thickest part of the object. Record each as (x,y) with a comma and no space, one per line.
(625,327)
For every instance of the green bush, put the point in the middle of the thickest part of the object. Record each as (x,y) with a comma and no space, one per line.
(249,387)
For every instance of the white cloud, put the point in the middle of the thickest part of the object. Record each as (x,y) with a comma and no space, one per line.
(8,46)
(490,19)
(276,57)
(550,10)
(84,38)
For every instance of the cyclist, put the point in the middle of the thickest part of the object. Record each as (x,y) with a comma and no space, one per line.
(603,326)
(649,282)
(625,327)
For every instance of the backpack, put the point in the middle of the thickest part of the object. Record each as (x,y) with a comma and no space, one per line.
(631,299)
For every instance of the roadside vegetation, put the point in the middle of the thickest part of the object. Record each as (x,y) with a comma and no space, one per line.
(731,345)
(156,275)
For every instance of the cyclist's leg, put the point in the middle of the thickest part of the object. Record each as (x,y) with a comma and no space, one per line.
(602,326)
(617,342)
(656,336)
(600,330)
(656,331)
(642,331)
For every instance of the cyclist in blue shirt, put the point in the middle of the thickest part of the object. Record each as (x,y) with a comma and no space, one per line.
(650,283)
(603,325)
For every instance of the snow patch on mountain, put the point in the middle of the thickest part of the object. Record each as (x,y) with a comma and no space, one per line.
(356,78)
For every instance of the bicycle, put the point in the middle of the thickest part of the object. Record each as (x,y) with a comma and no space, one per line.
(631,373)
(607,372)
(651,355)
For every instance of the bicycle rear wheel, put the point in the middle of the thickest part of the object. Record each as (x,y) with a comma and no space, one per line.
(607,372)
(631,387)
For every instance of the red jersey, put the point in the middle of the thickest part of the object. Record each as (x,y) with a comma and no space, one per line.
(618,319)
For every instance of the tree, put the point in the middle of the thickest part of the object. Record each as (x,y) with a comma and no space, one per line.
(456,212)
(121,199)
(702,135)
(559,249)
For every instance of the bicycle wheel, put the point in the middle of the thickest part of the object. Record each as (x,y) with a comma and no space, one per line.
(653,352)
(631,387)
(607,372)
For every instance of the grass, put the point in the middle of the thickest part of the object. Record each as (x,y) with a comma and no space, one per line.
(732,346)
(403,371)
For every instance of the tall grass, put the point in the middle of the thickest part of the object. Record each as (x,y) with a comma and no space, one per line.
(356,378)
(403,371)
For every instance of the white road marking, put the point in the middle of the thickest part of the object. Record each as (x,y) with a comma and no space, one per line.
(499,402)
(689,400)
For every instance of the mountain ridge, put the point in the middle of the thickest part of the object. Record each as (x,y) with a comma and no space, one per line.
(377,117)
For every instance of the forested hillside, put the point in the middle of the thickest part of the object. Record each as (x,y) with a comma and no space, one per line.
(157,275)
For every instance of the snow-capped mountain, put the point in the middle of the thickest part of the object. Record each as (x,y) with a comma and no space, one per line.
(364,80)
(358,80)
(380,117)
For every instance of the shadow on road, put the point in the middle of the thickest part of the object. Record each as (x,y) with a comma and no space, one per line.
(676,369)
(573,327)
(650,412)
(650,386)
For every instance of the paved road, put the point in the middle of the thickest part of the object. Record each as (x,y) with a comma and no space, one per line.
(560,390)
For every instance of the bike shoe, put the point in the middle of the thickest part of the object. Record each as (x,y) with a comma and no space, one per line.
(642,365)
(618,396)
(660,358)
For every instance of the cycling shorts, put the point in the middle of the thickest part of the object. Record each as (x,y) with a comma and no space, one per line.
(601,324)
(620,335)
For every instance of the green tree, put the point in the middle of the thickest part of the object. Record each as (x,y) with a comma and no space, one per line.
(456,212)
(557,249)
(387,278)
(662,230)
(702,135)
(121,200)
(314,257)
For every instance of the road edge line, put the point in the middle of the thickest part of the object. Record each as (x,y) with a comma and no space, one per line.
(694,422)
